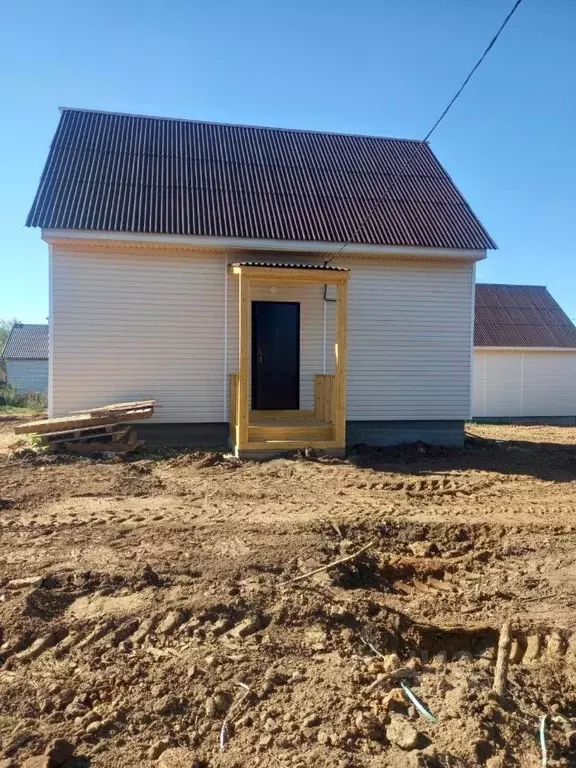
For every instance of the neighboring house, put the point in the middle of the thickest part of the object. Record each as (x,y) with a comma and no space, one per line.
(524,356)
(204,265)
(25,356)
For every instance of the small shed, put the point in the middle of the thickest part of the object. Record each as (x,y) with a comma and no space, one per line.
(25,358)
(524,355)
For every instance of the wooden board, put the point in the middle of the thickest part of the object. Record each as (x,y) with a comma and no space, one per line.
(83,432)
(118,407)
(290,433)
(255,416)
(291,445)
(232,400)
(341,350)
(70,437)
(323,396)
(129,436)
(244,325)
(291,274)
(81,420)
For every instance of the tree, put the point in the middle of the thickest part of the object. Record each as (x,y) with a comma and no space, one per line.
(5,328)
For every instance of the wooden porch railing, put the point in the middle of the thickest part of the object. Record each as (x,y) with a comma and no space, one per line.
(324,397)
(233,403)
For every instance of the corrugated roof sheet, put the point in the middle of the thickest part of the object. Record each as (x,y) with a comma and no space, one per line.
(129,173)
(289,266)
(27,341)
(520,316)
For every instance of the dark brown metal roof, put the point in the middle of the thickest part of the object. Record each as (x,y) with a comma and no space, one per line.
(27,342)
(520,316)
(323,267)
(128,173)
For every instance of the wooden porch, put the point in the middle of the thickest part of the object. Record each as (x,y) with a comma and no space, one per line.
(268,431)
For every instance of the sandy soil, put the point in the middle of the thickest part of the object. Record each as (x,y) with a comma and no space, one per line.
(157,607)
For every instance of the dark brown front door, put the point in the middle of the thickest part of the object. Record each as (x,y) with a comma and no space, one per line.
(275,355)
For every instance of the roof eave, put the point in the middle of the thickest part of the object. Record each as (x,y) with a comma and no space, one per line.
(67,237)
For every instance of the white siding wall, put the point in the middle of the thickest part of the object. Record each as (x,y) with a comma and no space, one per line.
(28,375)
(524,383)
(409,339)
(151,324)
(139,325)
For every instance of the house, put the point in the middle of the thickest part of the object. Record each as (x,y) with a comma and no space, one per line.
(524,356)
(25,356)
(208,266)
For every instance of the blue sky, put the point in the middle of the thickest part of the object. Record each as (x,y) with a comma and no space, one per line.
(384,67)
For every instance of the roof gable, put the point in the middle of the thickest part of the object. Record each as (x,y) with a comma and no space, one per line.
(520,316)
(129,173)
(27,342)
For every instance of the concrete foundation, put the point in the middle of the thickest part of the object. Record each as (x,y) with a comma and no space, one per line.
(386,433)
(215,436)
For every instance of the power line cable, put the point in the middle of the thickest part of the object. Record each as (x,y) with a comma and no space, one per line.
(413,156)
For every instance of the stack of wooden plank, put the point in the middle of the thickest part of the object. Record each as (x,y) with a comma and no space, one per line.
(94,430)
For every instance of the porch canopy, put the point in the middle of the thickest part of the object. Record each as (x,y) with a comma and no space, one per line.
(266,430)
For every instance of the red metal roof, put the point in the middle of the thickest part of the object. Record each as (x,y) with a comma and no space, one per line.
(129,173)
(520,316)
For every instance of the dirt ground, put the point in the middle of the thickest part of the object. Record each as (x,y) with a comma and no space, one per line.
(157,607)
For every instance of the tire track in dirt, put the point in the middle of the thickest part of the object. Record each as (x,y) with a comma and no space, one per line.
(160,592)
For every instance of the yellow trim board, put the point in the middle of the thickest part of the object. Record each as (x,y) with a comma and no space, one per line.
(279,415)
(293,274)
(290,445)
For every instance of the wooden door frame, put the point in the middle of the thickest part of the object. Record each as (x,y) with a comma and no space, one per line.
(254,274)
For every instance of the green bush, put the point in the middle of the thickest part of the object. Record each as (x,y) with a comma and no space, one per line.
(11,397)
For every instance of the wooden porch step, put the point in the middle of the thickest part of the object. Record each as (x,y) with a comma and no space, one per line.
(266,417)
(306,434)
